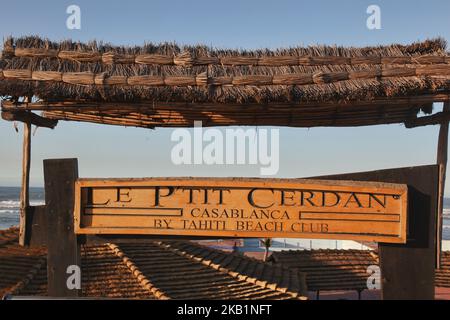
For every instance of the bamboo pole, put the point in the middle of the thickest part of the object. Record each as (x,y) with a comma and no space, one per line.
(442,151)
(441,72)
(186,58)
(24,194)
(26,116)
(81,105)
(437,118)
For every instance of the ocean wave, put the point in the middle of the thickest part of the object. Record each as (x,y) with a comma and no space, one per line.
(8,211)
(16,203)
(9,204)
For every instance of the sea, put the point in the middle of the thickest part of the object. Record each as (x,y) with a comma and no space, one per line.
(9,204)
(9,207)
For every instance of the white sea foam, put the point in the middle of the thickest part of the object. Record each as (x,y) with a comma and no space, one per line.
(16,204)
(446,213)
(9,204)
(8,211)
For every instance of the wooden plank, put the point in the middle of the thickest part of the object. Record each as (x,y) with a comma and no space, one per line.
(29,117)
(437,118)
(408,269)
(441,160)
(242,208)
(420,100)
(25,190)
(63,250)
(36,229)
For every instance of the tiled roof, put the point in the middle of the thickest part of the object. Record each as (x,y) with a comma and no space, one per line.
(250,274)
(178,270)
(103,275)
(329,269)
(17,264)
(343,269)
(443,274)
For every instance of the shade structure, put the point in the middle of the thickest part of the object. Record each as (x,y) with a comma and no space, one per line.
(167,85)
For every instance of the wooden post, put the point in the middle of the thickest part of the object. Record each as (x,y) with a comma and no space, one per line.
(24,193)
(407,270)
(63,249)
(441,160)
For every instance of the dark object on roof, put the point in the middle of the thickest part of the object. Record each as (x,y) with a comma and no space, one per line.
(329,269)
(169,85)
(172,270)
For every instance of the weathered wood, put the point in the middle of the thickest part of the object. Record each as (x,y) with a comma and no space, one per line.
(25,190)
(286,119)
(36,232)
(242,208)
(63,250)
(437,118)
(408,269)
(152,105)
(149,114)
(29,117)
(441,160)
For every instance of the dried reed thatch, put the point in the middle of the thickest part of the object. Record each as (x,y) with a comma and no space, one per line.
(163,73)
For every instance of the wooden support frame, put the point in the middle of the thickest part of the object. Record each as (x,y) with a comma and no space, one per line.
(63,248)
(437,118)
(25,193)
(441,160)
(150,114)
(29,117)
(408,270)
(74,105)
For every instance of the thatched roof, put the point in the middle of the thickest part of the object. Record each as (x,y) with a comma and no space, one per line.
(168,73)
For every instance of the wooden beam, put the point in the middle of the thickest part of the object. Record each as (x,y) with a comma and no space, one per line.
(437,118)
(408,270)
(441,160)
(68,105)
(24,193)
(29,117)
(36,235)
(63,248)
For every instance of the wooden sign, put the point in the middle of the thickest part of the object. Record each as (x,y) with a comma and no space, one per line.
(257,208)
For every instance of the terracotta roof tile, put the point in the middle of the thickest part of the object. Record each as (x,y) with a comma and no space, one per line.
(243,268)
(443,275)
(329,269)
(153,270)
(103,275)
(17,264)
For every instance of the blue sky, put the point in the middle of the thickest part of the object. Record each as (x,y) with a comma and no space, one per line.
(105,151)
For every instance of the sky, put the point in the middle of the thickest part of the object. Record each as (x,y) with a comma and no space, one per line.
(108,151)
